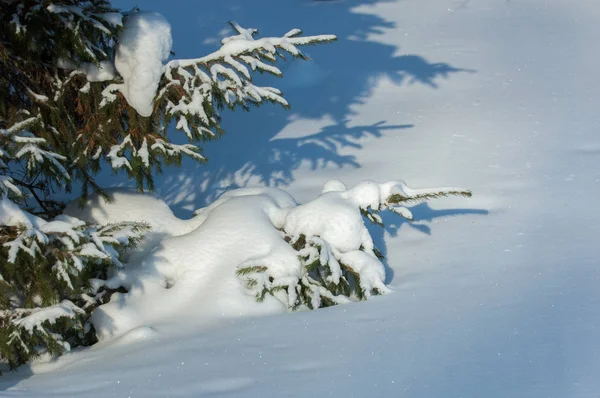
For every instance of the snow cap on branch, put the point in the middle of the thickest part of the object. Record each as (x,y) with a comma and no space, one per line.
(201,86)
(143,46)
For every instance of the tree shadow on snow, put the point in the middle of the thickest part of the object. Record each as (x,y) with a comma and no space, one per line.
(322,92)
(258,148)
(423,215)
(10,379)
(267,145)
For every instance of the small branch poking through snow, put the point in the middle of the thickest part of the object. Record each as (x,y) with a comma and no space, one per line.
(418,195)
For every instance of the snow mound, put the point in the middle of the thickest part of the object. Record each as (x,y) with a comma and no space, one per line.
(144,44)
(253,251)
(136,335)
(191,278)
(128,205)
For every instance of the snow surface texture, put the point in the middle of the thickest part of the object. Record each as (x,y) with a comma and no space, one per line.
(144,44)
(493,297)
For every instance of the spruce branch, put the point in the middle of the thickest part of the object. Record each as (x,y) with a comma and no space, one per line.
(423,195)
(394,195)
(193,90)
(56,261)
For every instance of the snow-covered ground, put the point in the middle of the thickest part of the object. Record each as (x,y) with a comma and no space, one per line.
(493,296)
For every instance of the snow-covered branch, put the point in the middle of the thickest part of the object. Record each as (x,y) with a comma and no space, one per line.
(193,89)
(18,144)
(372,198)
(36,256)
(189,91)
(338,261)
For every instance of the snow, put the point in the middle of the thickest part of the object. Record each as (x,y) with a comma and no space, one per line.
(12,215)
(117,161)
(494,296)
(132,206)
(98,73)
(203,283)
(144,44)
(90,250)
(113,18)
(66,14)
(103,71)
(196,261)
(331,218)
(19,28)
(34,154)
(244,43)
(371,269)
(6,185)
(144,154)
(50,314)
(60,227)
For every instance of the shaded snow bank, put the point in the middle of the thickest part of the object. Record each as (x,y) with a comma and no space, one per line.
(253,251)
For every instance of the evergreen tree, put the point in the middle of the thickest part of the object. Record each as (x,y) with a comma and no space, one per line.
(66,109)
(83,86)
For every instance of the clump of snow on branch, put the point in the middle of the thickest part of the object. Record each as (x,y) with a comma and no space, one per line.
(253,251)
(38,316)
(144,44)
(193,88)
(189,92)
(100,72)
(79,238)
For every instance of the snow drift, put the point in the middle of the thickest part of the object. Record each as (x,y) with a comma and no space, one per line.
(253,251)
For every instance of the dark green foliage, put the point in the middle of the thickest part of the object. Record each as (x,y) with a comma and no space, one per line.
(19,346)
(60,108)
(42,101)
(53,268)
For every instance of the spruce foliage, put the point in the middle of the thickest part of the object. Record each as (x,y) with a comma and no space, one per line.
(46,120)
(47,281)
